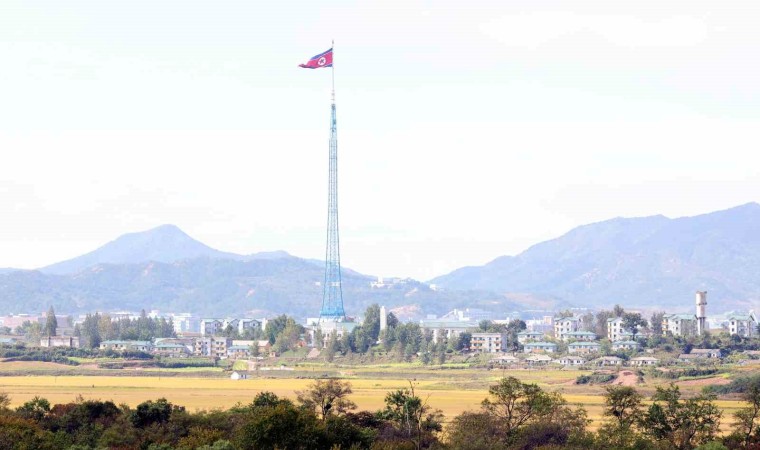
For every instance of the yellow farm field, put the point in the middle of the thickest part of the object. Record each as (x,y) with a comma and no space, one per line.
(205,393)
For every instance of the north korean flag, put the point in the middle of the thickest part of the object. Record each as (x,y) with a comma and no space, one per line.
(324,59)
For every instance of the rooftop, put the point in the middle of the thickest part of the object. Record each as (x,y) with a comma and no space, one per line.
(540,344)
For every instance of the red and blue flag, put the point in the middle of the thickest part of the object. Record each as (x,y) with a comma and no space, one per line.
(324,59)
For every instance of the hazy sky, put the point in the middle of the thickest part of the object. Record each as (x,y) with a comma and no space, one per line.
(467,130)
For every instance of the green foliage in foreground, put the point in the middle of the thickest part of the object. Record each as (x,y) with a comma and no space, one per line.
(515,415)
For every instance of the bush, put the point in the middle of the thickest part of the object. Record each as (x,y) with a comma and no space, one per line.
(737,386)
(596,378)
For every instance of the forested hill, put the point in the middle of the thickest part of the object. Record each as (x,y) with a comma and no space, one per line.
(648,261)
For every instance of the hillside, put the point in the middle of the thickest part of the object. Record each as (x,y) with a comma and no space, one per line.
(648,262)
(166,269)
(165,243)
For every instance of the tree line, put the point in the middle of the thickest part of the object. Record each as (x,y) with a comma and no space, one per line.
(515,415)
(101,327)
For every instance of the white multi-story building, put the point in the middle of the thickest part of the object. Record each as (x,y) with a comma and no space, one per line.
(211,327)
(565,325)
(743,325)
(244,325)
(488,342)
(446,329)
(680,324)
(186,323)
(615,328)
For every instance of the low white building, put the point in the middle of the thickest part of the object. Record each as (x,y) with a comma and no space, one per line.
(505,360)
(644,361)
(625,345)
(538,360)
(571,360)
(608,361)
(579,336)
(582,347)
(528,336)
(60,341)
(538,347)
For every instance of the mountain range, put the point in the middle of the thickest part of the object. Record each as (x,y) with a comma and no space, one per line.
(165,269)
(649,262)
(653,262)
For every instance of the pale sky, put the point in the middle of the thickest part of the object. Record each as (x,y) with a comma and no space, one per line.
(467,130)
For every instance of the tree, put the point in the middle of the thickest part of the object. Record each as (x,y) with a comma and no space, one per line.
(515,403)
(623,405)
(601,322)
(51,323)
(5,402)
(684,424)
(35,409)
(587,322)
(327,397)
(371,324)
(150,412)
(412,416)
(464,340)
(288,337)
(632,322)
(746,427)
(618,311)
(656,323)
(275,327)
(513,328)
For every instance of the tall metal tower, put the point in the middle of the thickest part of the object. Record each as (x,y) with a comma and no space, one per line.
(332,297)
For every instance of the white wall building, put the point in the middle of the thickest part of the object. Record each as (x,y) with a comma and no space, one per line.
(743,325)
(565,325)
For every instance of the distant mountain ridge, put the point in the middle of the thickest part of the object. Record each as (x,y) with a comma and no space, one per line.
(163,268)
(648,262)
(165,243)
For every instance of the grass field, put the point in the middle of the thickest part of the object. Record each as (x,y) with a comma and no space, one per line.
(451,390)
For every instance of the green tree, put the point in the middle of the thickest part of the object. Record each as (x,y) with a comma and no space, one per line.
(622,407)
(601,322)
(51,323)
(516,403)
(656,323)
(683,424)
(415,420)
(746,427)
(274,327)
(371,324)
(35,409)
(150,412)
(632,322)
(513,328)
(327,397)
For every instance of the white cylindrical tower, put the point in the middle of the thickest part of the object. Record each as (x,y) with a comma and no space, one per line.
(701,311)
(383,318)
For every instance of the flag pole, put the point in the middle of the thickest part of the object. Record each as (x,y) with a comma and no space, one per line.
(333,72)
